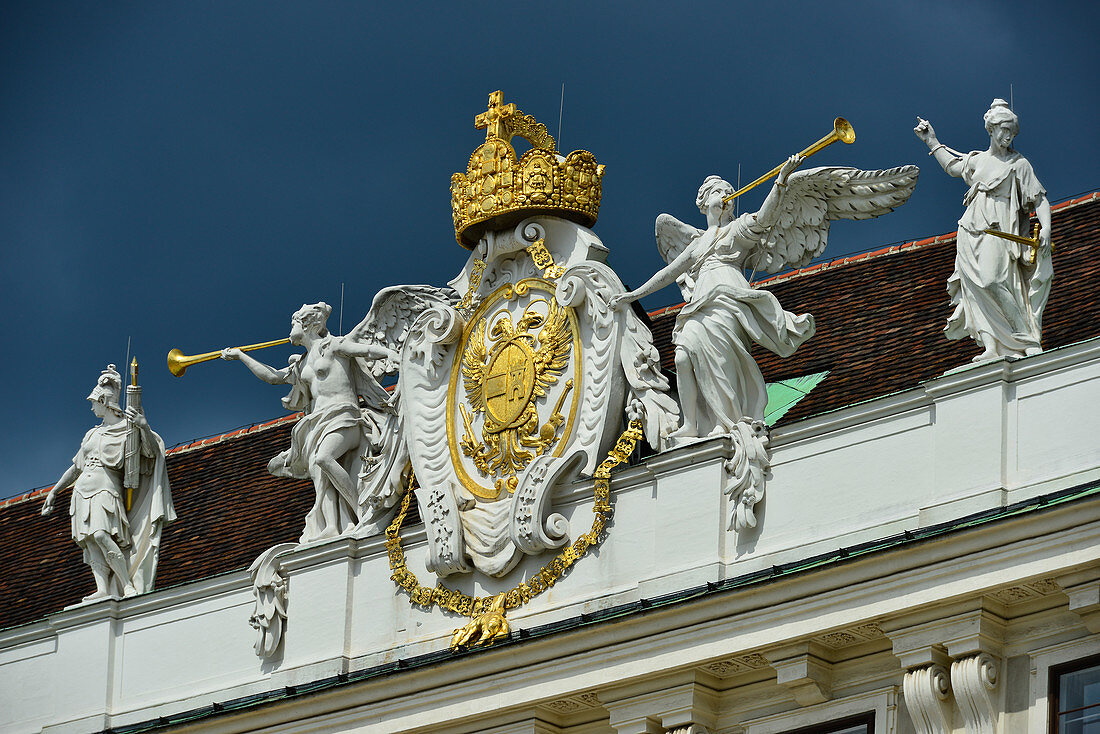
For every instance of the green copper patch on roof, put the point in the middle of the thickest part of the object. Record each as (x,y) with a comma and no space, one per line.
(783,395)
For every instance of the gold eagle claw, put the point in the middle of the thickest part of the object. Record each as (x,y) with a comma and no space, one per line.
(484,629)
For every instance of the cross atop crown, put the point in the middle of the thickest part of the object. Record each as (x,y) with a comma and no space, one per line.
(495,119)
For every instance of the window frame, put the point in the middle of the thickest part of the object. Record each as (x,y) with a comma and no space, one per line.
(831,727)
(882,704)
(1054,686)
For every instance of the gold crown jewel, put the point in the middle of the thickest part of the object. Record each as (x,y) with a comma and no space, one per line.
(498,191)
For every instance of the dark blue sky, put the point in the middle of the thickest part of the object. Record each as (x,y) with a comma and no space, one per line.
(188,174)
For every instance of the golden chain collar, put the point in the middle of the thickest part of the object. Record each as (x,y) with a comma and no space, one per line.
(456,601)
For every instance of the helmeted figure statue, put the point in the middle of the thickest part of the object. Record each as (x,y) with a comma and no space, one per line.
(117,528)
(1000,287)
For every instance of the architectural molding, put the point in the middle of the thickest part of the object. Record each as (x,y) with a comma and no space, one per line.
(687,707)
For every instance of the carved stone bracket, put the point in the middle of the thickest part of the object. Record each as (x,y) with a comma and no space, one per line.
(927,695)
(804,671)
(974,680)
(1083,590)
(269,589)
(748,471)
(970,640)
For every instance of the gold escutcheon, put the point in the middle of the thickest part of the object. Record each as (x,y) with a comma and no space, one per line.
(511,373)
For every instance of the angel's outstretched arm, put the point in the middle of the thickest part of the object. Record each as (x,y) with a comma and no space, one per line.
(352,348)
(664,277)
(265,372)
(769,210)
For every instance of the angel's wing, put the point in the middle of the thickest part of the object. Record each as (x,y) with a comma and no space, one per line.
(392,314)
(816,197)
(473,366)
(672,237)
(555,339)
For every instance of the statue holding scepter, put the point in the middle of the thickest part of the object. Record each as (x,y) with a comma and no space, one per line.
(119,534)
(999,289)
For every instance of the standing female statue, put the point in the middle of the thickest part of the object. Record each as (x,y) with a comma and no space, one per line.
(999,289)
(718,381)
(121,543)
(330,441)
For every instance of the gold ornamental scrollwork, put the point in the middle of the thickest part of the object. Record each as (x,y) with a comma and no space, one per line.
(484,610)
(475,282)
(510,364)
(544,261)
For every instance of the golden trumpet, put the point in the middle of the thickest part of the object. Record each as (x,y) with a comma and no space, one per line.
(178,362)
(842,130)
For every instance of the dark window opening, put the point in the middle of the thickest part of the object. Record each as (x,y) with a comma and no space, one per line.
(1075,697)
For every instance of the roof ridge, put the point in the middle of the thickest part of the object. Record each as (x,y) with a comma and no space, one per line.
(881,252)
(222,437)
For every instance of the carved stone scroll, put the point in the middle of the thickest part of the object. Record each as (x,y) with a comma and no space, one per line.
(974,680)
(927,695)
(748,470)
(269,589)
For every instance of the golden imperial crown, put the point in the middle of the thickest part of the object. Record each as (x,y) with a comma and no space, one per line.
(498,191)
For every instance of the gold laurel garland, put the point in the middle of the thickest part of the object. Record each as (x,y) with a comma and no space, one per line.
(455,601)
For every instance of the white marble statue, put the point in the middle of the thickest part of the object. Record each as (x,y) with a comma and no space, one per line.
(350,441)
(718,380)
(722,391)
(334,433)
(999,288)
(118,529)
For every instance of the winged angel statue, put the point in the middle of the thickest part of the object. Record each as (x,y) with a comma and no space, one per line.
(720,385)
(350,440)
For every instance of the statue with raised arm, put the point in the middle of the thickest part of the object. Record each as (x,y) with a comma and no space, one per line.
(334,434)
(721,388)
(1000,286)
(118,527)
(718,381)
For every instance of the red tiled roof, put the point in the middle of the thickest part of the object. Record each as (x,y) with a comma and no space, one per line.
(880,318)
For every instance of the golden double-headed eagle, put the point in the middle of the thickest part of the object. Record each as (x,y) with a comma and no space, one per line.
(504,373)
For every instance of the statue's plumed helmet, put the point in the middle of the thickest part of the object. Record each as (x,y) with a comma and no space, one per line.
(107,388)
(709,185)
(314,314)
(1000,112)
